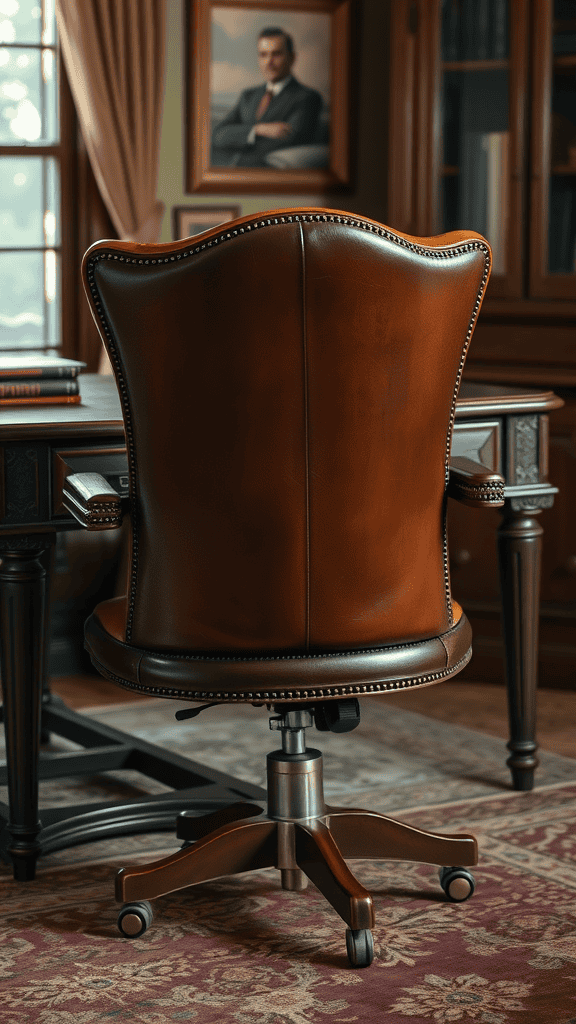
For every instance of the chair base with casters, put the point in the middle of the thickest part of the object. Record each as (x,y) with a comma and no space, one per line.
(300,835)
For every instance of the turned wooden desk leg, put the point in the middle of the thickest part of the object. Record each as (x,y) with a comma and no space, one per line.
(519,553)
(23,611)
(49,562)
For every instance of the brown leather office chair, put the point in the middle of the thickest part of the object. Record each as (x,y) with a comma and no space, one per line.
(288,384)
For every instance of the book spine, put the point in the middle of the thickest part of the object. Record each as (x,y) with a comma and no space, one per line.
(473,182)
(483,41)
(562,232)
(476,33)
(43,400)
(564,43)
(500,29)
(29,389)
(450,29)
(497,198)
(42,373)
(469,30)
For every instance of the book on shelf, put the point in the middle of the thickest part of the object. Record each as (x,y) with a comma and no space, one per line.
(450,29)
(562,230)
(38,365)
(484,190)
(475,28)
(473,182)
(499,23)
(497,198)
(564,43)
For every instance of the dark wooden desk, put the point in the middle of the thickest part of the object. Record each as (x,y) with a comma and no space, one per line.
(504,428)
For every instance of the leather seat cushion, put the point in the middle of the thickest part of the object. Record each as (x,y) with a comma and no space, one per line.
(280,676)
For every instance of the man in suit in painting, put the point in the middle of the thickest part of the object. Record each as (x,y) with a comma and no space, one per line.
(278,115)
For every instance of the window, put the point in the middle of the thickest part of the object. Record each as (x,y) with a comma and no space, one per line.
(31,158)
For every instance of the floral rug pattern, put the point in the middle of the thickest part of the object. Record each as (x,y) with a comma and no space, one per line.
(242,951)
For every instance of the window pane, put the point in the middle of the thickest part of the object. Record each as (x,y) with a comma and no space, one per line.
(29,213)
(21,21)
(21,201)
(28,99)
(29,300)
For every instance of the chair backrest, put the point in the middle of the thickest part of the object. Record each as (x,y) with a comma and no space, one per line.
(288,384)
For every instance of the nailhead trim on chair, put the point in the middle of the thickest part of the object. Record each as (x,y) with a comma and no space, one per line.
(487,493)
(291,695)
(305,218)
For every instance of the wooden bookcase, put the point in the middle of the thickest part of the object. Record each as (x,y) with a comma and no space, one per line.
(482,127)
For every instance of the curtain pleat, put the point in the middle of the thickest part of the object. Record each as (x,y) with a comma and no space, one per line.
(114,52)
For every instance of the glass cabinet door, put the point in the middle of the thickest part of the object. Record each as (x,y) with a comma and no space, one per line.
(553,182)
(480,143)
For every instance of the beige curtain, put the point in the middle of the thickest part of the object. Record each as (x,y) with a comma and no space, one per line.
(114,52)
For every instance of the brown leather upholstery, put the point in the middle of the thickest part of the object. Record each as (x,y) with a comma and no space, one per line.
(294,678)
(288,386)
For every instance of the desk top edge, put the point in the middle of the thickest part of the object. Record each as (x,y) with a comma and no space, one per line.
(99,414)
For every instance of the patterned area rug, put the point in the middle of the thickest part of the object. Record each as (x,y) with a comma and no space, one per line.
(242,951)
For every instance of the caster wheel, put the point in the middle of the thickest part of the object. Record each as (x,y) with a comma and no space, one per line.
(135,918)
(360,947)
(458,883)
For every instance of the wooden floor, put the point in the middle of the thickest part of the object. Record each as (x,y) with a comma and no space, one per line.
(475,705)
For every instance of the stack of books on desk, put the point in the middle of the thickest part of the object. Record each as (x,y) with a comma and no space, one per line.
(39,380)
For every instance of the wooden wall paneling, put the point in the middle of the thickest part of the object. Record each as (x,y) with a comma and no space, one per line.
(527,327)
(401,115)
(473,555)
(511,284)
(559,554)
(523,352)
(427,145)
(557,660)
(542,283)
(540,143)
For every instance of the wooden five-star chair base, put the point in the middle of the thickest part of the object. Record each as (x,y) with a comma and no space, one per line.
(304,839)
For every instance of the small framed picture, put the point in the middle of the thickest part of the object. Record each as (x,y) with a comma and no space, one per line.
(192,220)
(268,87)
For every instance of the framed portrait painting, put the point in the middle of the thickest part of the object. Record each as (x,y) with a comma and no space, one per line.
(192,220)
(268,95)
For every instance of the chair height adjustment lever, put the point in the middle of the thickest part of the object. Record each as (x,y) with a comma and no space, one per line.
(180,716)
